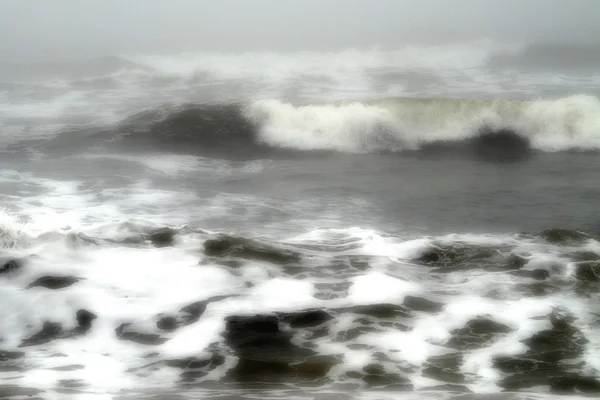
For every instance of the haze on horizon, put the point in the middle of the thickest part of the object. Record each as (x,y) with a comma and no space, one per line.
(31,29)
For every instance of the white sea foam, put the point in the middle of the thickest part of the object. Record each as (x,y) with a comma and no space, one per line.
(397,124)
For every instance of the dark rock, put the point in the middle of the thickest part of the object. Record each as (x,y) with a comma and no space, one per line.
(514,365)
(449,388)
(353,333)
(85,319)
(305,319)
(71,383)
(9,266)
(161,237)
(421,304)
(54,282)
(375,376)
(49,332)
(167,323)
(10,355)
(445,368)
(440,374)
(537,289)
(557,344)
(537,274)
(14,392)
(231,246)
(265,353)
(571,384)
(476,334)
(460,257)
(67,368)
(516,261)
(195,310)
(549,360)
(563,236)
(588,271)
(381,311)
(125,332)
(584,256)
(196,363)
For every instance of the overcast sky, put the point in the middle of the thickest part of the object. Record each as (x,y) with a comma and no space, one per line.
(96,27)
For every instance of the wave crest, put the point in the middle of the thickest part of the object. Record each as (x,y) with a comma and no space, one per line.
(405,124)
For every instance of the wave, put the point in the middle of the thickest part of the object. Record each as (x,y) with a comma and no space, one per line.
(486,127)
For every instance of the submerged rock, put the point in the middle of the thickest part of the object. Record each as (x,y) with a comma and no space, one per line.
(161,237)
(476,334)
(54,282)
(380,311)
(588,271)
(458,257)
(50,331)
(445,368)
(53,331)
(231,246)
(564,236)
(9,266)
(422,304)
(550,361)
(266,354)
(84,320)
(127,332)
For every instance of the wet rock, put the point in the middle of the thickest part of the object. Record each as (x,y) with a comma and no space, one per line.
(231,246)
(537,274)
(477,333)
(421,304)
(126,332)
(84,320)
(265,352)
(71,383)
(67,368)
(167,323)
(9,266)
(449,388)
(162,237)
(10,355)
(537,289)
(380,311)
(579,256)
(515,261)
(574,383)
(458,257)
(305,319)
(562,342)
(15,392)
(445,368)
(564,236)
(353,333)
(196,363)
(50,331)
(588,271)
(550,360)
(193,312)
(54,282)
(376,376)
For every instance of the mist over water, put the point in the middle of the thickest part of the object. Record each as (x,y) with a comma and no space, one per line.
(316,199)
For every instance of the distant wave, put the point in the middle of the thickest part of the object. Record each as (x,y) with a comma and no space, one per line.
(495,127)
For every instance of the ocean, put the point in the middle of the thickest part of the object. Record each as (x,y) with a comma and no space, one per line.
(415,222)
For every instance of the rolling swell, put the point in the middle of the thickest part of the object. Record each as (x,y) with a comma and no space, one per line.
(492,130)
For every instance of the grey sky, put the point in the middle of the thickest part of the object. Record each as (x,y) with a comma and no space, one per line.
(93,27)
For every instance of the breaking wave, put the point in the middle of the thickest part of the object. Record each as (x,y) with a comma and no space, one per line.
(506,127)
